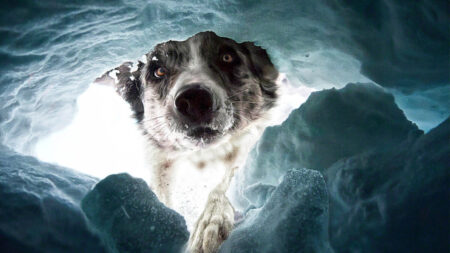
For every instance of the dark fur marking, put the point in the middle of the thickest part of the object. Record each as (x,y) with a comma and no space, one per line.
(129,89)
(201,164)
(229,157)
(262,67)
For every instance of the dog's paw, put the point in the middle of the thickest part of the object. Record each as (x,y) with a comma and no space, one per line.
(213,226)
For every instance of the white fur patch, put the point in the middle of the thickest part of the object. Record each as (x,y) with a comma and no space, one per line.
(113,75)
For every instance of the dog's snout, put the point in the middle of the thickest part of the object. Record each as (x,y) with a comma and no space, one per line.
(196,103)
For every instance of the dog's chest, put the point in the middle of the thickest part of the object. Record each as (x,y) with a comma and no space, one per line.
(194,176)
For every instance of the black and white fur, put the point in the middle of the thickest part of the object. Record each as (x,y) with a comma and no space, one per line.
(242,91)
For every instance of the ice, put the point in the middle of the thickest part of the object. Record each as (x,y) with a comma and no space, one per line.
(294,219)
(130,218)
(39,207)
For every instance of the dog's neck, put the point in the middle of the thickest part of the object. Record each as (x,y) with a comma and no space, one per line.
(193,174)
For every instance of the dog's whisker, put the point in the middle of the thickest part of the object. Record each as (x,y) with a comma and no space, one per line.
(247,102)
(238,93)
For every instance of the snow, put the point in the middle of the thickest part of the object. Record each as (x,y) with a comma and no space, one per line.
(39,207)
(113,75)
(294,219)
(331,125)
(49,60)
(98,142)
(382,174)
(394,194)
(387,181)
(130,218)
(388,186)
(144,59)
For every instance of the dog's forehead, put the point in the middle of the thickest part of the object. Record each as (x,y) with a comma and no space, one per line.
(170,50)
(203,42)
(206,39)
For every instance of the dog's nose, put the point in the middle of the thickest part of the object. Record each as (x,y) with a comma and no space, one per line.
(195,103)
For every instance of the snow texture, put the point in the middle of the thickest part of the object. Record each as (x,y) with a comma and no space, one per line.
(394,199)
(258,194)
(294,219)
(52,50)
(39,207)
(384,189)
(331,125)
(400,43)
(130,218)
(387,181)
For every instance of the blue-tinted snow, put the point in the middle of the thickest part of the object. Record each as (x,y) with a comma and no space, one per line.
(387,180)
(51,50)
(388,186)
(388,194)
(394,199)
(130,218)
(331,125)
(40,207)
(294,219)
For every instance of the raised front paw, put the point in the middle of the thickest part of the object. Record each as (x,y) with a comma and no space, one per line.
(214,225)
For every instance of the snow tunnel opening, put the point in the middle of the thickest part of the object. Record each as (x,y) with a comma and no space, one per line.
(101,139)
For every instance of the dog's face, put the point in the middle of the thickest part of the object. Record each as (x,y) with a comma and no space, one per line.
(196,91)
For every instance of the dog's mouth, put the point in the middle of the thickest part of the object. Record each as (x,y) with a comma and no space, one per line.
(203,134)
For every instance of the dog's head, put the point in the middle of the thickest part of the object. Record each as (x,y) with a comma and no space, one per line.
(196,91)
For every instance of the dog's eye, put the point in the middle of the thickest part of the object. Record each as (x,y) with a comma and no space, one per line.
(160,72)
(227,58)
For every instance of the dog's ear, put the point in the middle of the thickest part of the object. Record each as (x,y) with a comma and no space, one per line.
(126,80)
(262,66)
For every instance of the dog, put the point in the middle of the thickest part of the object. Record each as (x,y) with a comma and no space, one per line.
(204,100)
